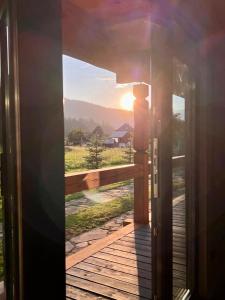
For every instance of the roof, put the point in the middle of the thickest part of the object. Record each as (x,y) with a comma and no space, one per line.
(109,141)
(119,134)
(125,127)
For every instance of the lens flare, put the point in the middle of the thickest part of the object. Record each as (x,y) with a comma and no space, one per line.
(127,101)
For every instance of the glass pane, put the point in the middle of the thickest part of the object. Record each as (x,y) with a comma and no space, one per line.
(179,230)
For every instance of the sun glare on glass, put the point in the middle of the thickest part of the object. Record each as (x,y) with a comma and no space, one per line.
(127,101)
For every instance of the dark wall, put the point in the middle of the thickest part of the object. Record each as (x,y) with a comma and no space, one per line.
(211,170)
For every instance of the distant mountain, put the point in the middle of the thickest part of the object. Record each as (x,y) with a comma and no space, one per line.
(76,109)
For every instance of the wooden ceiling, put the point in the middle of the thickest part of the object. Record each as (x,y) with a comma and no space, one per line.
(114,10)
(116,34)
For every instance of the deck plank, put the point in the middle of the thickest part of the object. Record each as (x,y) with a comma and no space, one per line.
(111,282)
(122,260)
(119,266)
(98,245)
(100,289)
(135,257)
(136,241)
(116,274)
(133,245)
(131,249)
(78,294)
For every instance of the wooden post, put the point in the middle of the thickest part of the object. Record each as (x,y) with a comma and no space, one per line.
(141,144)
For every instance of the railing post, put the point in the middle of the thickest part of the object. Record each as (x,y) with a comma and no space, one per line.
(141,144)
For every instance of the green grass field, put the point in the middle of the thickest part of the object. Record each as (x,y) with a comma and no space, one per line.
(75,159)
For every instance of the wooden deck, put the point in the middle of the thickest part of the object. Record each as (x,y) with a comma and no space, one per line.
(119,266)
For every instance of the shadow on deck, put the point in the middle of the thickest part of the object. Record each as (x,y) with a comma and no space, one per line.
(119,266)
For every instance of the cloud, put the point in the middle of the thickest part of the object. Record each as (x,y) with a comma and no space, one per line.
(122,85)
(105,78)
(127,85)
(85,66)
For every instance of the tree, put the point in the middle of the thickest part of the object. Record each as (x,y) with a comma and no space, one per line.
(97,133)
(76,137)
(129,151)
(94,158)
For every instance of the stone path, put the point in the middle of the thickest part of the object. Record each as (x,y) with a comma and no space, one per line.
(76,243)
(85,239)
(93,197)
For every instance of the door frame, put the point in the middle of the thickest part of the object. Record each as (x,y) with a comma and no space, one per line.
(37,184)
(163,53)
(161,145)
(10,159)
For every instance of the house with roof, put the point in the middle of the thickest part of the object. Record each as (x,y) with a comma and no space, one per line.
(120,137)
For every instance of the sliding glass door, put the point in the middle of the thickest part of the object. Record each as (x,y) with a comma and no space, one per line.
(173,176)
(183,175)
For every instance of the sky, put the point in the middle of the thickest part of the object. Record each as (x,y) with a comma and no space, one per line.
(83,81)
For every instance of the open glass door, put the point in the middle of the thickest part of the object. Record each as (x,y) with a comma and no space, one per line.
(172,173)
(183,173)
(179,199)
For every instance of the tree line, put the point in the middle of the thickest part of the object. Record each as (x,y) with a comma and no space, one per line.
(85,125)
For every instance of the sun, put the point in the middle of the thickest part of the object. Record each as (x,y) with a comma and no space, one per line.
(127,101)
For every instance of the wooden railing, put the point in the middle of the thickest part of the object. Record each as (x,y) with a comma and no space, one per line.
(78,182)
(87,180)
(139,171)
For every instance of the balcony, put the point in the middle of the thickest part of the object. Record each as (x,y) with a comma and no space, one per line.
(119,266)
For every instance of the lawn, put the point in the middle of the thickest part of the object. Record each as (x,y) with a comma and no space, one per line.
(101,189)
(98,214)
(74,196)
(75,158)
(112,186)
